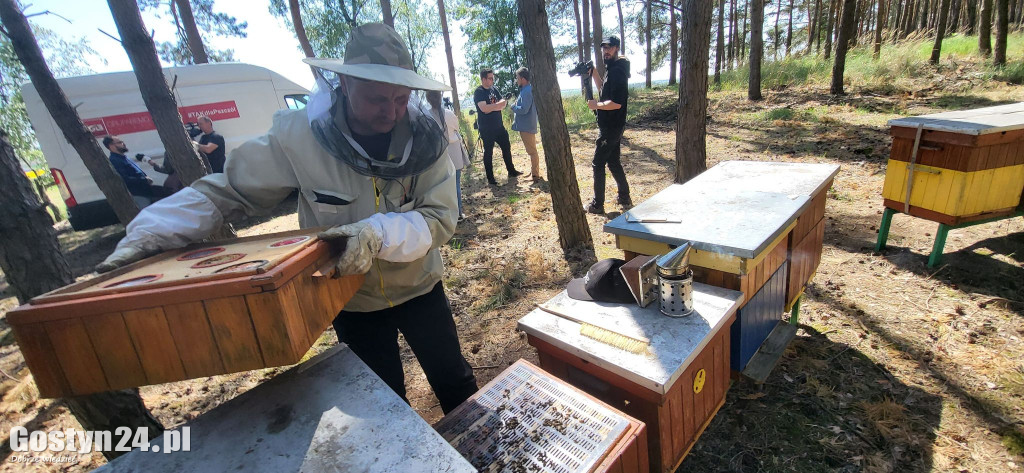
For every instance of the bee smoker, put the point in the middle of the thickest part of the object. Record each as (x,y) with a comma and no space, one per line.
(675,280)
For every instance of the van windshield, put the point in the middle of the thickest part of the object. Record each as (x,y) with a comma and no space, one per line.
(296,101)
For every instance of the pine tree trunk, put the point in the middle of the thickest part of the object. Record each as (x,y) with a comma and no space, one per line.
(940,31)
(731,50)
(833,5)
(155,93)
(673,43)
(573,229)
(815,37)
(972,17)
(846,27)
(924,15)
(581,48)
(879,24)
(385,8)
(720,43)
(33,264)
(451,62)
(954,21)
(595,19)
(744,31)
(300,29)
(192,37)
(756,49)
(1002,28)
(585,12)
(691,114)
(622,28)
(789,30)
(775,33)
(67,119)
(985,28)
(647,33)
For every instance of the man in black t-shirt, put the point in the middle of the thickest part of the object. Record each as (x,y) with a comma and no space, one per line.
(211,144)
(611,121)
(489,105)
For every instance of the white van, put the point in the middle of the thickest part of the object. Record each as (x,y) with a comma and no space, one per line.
(239,98)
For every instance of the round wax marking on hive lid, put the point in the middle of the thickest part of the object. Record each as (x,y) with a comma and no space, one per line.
(290,241)
(137,281)
(218,260)
(246,266)
(200,253)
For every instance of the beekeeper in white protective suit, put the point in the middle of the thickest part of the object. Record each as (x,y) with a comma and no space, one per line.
(369,160)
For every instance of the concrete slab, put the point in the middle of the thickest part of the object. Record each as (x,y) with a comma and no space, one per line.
(329,414)
(675,342)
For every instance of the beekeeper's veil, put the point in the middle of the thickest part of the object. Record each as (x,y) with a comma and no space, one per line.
(375,52)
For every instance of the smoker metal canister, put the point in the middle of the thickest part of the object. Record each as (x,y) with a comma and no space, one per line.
(675,280)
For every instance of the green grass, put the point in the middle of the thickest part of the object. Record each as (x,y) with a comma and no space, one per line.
(515,197)
(54,194)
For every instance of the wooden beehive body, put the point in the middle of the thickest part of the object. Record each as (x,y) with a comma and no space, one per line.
(112,333)
(779,210)
(969,164)
(675,388)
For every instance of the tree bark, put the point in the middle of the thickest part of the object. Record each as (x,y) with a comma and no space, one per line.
(1002,28)
(816,34)
(720,43)
(731,50)
(451,61)
(585,12)
(691,112)
(789,30)
(192,37)
(155,93)
(972,17)
(673,43)
(775,32)
(33,264)
(744,31)
(385,8)
(67,119)
(300,29)
(954,19)
(595,18)
(879,24)
(833,5)
(940,31)
(985,28)
(846,27)
(756,49)
(647,33)
(573,229)
(622,28)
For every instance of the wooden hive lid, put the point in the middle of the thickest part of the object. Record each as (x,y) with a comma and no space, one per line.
(105,293)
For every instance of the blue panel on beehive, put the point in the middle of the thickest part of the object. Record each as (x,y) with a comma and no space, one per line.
(755,321)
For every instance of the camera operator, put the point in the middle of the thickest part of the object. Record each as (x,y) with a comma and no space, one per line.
(489,105)
(611,121)
(211,144)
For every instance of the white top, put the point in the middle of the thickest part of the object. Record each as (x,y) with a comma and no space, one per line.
(675,342)
(330,413)
(980,121)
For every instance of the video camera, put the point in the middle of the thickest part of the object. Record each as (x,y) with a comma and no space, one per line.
(193,130)
(448,104)
(582,68)
(143,158)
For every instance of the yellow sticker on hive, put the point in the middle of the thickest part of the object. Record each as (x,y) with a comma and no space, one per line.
(698,381)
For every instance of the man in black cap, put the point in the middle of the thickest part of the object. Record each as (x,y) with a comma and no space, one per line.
(611,121)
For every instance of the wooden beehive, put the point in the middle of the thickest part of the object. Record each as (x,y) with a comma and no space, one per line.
(204,310)
(969,164)
(675,388)
(528,420)
(745,220)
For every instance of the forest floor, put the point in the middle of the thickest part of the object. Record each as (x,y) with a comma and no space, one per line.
(896,366)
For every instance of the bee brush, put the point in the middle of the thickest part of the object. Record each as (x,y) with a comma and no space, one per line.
(632,344)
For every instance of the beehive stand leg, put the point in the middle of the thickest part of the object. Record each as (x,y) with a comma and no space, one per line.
(883,229)
(940,244)
(794,314)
